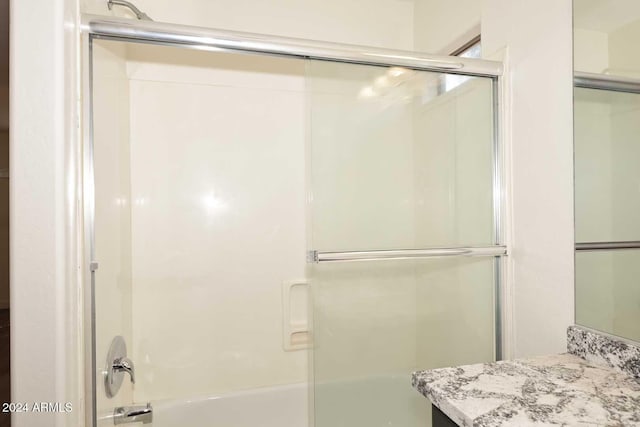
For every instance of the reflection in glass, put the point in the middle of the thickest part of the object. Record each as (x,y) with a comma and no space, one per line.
(607,176)
(607,208)
(607,292)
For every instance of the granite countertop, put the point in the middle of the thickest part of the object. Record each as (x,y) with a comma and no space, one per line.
(596,384)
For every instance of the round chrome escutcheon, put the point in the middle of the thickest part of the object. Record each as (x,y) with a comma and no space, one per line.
(113,378)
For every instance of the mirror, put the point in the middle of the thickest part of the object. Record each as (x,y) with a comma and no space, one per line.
(607,165)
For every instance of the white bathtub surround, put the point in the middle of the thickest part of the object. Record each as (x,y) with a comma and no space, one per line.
(284,406)
(562,389)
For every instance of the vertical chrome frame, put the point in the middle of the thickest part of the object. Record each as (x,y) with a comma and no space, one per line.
(498,224)
(89,264)
(100,27)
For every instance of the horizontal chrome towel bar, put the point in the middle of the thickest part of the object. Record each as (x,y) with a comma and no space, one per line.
(606,246)
(209,38)
(606,82)
(403,254)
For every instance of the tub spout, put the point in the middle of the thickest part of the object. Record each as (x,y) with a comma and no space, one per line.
(133,414)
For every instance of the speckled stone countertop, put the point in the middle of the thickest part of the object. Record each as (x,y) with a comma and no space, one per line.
(587,388)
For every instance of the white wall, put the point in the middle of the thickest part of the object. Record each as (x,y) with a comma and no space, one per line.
(46,346)
(534,38)
(441,27)
(384,23)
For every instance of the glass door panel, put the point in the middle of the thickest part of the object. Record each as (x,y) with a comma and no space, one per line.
(397,161)
(375,323)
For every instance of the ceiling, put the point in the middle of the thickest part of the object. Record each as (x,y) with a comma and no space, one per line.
(605,16)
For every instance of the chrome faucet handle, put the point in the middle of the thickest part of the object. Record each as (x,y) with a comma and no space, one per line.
(124,364)
(117,364)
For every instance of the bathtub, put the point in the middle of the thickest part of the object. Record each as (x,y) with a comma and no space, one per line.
(282,406)
(377,401)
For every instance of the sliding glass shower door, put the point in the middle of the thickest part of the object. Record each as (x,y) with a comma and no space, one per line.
(223,189)
(402,168)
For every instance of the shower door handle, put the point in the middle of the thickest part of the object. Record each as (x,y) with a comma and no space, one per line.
(404,254)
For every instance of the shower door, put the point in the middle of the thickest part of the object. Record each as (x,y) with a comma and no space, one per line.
(403,189)
(226,184)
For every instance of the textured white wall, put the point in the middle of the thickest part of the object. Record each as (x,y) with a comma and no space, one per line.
(46,363)
(540,142)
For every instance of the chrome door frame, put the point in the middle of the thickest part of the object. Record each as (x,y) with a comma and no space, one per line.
(183,36)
